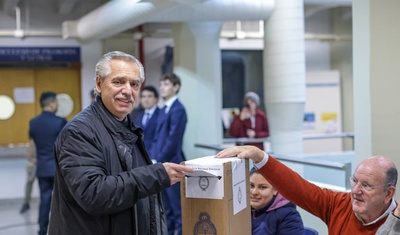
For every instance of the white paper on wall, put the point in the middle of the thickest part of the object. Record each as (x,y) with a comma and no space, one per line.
(24,95)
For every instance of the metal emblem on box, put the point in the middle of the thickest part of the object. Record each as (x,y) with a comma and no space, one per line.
(204,226)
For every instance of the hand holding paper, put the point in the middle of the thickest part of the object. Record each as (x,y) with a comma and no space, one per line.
(176,172)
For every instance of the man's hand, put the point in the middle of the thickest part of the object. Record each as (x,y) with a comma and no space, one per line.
(176,172)
(247,151)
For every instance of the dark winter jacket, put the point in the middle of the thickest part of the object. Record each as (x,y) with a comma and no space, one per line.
(278,217)
(105,183)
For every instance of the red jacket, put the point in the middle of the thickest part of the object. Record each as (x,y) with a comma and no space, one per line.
(238,127)
(334,208)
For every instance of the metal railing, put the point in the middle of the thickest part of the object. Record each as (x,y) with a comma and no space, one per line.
(243,140)
(329,135)
(346,166)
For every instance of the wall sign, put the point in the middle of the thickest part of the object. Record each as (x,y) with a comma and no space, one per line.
(40,54)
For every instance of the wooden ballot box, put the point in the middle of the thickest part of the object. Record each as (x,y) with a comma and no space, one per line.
(216,198)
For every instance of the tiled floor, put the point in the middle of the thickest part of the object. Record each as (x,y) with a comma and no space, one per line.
(14,223)
(12,180)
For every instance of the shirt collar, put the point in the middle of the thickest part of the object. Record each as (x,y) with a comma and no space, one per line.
(151,110)
(169,103)
(391,207)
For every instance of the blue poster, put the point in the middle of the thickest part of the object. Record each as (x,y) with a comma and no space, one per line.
(309,121)
(40,54)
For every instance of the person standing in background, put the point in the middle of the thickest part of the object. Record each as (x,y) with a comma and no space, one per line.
(147,118)
(167,145)
(251,122)
(31,176)
(43,131)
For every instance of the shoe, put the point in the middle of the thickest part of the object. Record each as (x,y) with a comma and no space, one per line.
(25,208)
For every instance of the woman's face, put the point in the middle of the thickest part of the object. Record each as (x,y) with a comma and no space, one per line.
(252,106)
(261,192)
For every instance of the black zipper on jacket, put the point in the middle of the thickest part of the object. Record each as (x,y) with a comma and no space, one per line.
(136,220)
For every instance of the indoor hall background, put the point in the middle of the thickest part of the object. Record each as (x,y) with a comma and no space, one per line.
(14,133)
(318,51)
(60,80)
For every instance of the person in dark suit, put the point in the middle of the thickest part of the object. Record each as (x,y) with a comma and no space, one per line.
(43,131)
(147,118)
(167,145)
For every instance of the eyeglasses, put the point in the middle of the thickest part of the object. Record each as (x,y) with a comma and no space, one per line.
(363,186)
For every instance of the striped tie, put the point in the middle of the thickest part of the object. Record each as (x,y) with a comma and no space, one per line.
(146,119)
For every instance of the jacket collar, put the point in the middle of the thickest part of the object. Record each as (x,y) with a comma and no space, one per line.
(276,202)
(113,125)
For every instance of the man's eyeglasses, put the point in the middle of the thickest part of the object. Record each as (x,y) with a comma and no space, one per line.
(363,186)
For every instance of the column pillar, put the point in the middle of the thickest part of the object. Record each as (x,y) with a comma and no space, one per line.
(197,61)
(284,76)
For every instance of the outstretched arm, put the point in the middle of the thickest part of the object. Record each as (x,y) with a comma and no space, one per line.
(250,152)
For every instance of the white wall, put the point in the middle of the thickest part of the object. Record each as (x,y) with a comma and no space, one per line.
(317,55)
(154,49)
(90,54)
(324,101)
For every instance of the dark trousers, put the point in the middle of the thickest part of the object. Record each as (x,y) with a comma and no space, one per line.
(172,202)
(46,190)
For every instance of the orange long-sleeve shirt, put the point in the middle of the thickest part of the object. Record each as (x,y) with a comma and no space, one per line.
(334,208)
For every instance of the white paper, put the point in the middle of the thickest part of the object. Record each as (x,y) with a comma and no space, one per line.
(24,95)
(207,181)
(239,185)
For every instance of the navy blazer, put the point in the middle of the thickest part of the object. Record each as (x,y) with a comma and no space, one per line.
(167,144)
(44,129)
(150,129)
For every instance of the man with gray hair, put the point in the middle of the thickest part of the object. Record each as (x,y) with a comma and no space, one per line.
(361,211)
(105,182)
